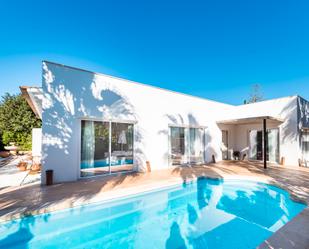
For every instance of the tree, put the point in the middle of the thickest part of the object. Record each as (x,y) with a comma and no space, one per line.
(255,95)
(17,121)
(1,143)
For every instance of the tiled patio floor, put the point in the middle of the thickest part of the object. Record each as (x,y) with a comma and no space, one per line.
(33,199)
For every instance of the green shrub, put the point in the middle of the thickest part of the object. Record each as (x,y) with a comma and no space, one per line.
(7,137)
(1,142)
(17,121)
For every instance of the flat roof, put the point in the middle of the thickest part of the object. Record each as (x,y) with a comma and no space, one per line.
(161,88)
(139,83)
(251,120)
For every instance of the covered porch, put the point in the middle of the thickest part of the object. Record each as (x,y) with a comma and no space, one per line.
(252,138)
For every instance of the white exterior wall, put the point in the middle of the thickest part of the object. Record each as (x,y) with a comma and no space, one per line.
(36,142)
(71,95)
(231,129)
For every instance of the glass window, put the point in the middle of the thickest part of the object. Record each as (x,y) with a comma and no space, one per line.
(178,145)
(253,145)
(102,152)
(196,142)
(259,145)
(121,147)
(305,146)
(94,147)
(225,144)
(187,145)
(273,145)
(256,145)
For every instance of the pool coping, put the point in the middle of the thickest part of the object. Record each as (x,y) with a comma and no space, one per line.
(127,193)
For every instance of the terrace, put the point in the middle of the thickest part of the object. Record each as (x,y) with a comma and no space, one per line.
(34,199)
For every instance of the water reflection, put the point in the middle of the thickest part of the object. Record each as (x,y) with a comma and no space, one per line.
(201,193)
(21,236)
(192,214)
(204,214)
(254,207)
(204,190)
(237,214)
(175,240)
(21,233)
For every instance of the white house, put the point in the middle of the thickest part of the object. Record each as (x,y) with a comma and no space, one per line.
(95,124)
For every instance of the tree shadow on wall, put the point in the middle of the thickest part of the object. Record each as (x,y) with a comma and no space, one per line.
(188,120)
(71,95)
(288,132)
(64,107)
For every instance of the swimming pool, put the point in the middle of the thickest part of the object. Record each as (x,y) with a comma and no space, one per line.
(203,214)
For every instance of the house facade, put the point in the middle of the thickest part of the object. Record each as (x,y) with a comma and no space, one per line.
(94,124)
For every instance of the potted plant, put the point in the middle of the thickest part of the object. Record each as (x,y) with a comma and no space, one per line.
(22,166)
(12,147)
(236,155)
(9,139)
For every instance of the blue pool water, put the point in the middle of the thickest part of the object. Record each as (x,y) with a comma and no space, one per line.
(203,214)
(105,163)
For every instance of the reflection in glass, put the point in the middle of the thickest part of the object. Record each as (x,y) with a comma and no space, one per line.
(178,145)
(305,146)
(187,145)
(196,145)
(225,144)
(121,147)
(259,145)
(253,144)
(256,145)
(96,145)
(273,145)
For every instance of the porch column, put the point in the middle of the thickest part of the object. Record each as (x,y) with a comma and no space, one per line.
(265,143)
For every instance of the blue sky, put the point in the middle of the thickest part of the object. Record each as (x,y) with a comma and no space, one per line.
(213,49)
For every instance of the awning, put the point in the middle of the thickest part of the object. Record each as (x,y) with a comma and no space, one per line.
(251,120)
(33,96)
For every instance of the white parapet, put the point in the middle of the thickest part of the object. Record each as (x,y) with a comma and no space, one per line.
(37,142)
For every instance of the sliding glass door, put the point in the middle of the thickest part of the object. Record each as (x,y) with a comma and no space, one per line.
(256,145)
(121,147)
(273,145)
(186,145)
(225,144)
(196,142)
(106,147)
(253,145)
(305,146)
(178,155)
(94,147)
(259,145)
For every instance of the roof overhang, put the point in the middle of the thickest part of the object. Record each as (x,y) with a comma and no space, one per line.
(251,120)
(33,96)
